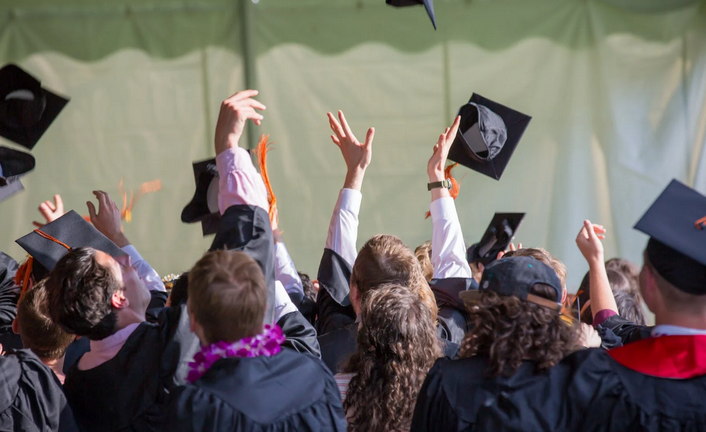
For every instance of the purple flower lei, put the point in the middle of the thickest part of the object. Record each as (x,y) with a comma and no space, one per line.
(265,344)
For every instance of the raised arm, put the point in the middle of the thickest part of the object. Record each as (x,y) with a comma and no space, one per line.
(333,303)
(603,303)
(343,229)
(447,246)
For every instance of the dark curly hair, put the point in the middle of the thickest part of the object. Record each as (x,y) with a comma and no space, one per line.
(79,290)
(397,345)
(509,330)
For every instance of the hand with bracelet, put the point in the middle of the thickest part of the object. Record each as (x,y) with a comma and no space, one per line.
(438,185)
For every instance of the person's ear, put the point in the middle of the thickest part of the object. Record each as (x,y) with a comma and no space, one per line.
(563,295)
(196,328)
(15,326)
(118,300)
(355,298)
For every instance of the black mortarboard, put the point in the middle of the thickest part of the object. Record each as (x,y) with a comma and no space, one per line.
(676,224)
(204,205)
(428,4)
(496,238)
(13,164)
(26,109)
(516,276)
(487,136)
(48,244)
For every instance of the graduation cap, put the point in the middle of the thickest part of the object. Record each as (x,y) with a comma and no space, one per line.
(487,136)
(47,245)
(676,224)
(204,205)
(13,164)
(26,109)
(496,238)
(428,4)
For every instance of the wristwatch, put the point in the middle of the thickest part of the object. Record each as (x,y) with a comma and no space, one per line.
(446,183)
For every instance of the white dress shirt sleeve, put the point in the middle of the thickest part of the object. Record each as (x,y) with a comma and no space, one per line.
(285,271)
(343,230)
(448,250)
(145,272)
(283,304)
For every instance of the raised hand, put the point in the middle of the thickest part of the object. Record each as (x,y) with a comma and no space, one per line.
(357,155)
(437,162)
(589,242)
(107,218)
(235,111)
(50,211)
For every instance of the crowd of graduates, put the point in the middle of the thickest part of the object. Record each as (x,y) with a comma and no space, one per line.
(385,338)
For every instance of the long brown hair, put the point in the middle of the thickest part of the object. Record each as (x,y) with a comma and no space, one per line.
(397,345)
(385,259)
(509,330)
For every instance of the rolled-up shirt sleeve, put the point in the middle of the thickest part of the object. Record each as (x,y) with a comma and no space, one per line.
(239,182)
(343,229)
(145,272)
(285,271)
(448,250)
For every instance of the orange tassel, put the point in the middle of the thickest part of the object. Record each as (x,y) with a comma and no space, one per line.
(263,147)
(455,185)
(128,205)
(22,277)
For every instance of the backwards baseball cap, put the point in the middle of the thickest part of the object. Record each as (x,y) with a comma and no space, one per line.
(676,224)
(516,276)
(487,136)
(204,204)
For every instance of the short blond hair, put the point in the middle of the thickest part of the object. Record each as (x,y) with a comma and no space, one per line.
(227,296)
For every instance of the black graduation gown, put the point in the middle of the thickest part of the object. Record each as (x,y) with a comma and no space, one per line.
(285,392)
(340,344)
(9,295)
(247,229)
(333,303)
(625,330)
(452,318)
(30,396)
(128,392)
(649,385)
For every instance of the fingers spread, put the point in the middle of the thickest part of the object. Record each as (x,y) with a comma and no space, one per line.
(335,127)
(344,123)
(91,210)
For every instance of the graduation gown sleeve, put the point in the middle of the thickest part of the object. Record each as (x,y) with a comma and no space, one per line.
(9,293)
(452,318)
(625,330)
(333,302)
(300,334)
(247,228)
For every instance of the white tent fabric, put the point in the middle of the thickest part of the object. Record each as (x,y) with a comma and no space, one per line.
(617,95)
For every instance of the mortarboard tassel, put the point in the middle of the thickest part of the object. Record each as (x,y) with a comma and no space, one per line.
(455,185)
(22,276)
(263,147)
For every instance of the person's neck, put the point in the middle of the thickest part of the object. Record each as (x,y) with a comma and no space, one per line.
(697,322)
(57,366)
(128,317)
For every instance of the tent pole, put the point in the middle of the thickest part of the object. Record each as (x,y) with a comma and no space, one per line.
(247,24)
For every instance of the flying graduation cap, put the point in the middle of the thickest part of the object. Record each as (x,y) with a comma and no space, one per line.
(487,136)
(676,224)
(26,108)
(204,205)
(496,238)
(428,4)
(13,165)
